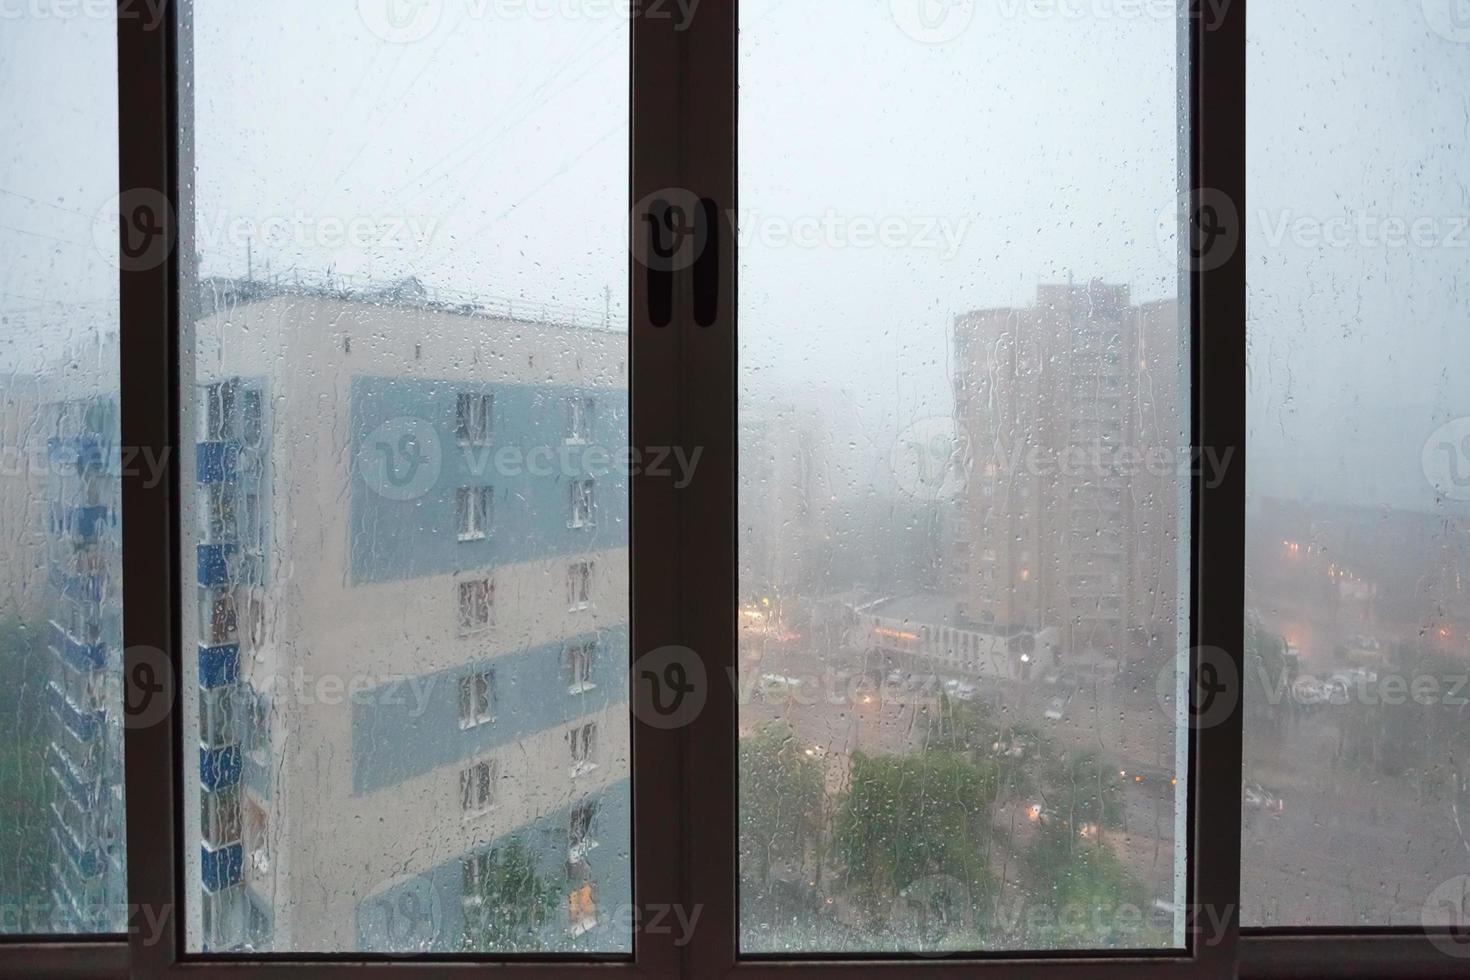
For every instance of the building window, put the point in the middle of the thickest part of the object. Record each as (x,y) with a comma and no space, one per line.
(219,619)
(257,723)
(476,698)
(218,412)
(472,509)
(476,604)
(473,416)
(475,870)
(217,717)
(579,830)
(579,419)
(255,616)
(220,520)
(257,836)
(219,817)
(579,667)
(583,739)
(252,417)
(581,900)
(223,917)
(477,788)
(579,585)
(581,500)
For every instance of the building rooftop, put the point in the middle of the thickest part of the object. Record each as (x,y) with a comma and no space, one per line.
(931,610)
(407,293)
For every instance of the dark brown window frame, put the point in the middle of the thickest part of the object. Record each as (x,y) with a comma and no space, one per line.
(684,388)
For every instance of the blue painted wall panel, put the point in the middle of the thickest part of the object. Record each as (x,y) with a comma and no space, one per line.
(410,727)
(410,530)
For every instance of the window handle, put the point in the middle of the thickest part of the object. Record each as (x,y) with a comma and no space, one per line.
(707,265)
(661,223)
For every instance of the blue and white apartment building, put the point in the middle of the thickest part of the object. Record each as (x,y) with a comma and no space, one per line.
(409,660)
(83,625)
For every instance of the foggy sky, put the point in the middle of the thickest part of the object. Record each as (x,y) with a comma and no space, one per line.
(1051,139)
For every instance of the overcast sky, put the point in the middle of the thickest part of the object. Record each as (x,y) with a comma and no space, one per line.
(489,156)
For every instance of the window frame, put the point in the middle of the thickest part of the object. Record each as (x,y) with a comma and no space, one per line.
(686,80)
(473,512)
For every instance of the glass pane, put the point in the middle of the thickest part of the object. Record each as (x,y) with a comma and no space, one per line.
(391,315)
(62,868)
(1357,748)
(963,381)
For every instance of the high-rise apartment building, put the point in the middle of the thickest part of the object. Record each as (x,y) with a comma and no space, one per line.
(1069,421)
(412,636)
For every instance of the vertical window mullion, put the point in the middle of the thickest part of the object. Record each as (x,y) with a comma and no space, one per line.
(149,124)
(709,519)
(1216,170)
(657,390)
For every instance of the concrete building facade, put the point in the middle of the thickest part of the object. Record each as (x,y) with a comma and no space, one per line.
(410,555)
(1070,417)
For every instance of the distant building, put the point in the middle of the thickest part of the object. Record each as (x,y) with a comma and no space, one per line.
(924,633)
(1071,414)
(1409,568)
(785,498)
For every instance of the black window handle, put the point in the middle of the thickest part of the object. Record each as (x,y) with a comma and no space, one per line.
(659,262)
(707,265)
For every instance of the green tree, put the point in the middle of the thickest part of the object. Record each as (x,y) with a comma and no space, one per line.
(905,819)
(1082,896)
(970,727)
(780,800)
(781,821)
(515,902)
(1268,677)
(1083,788)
